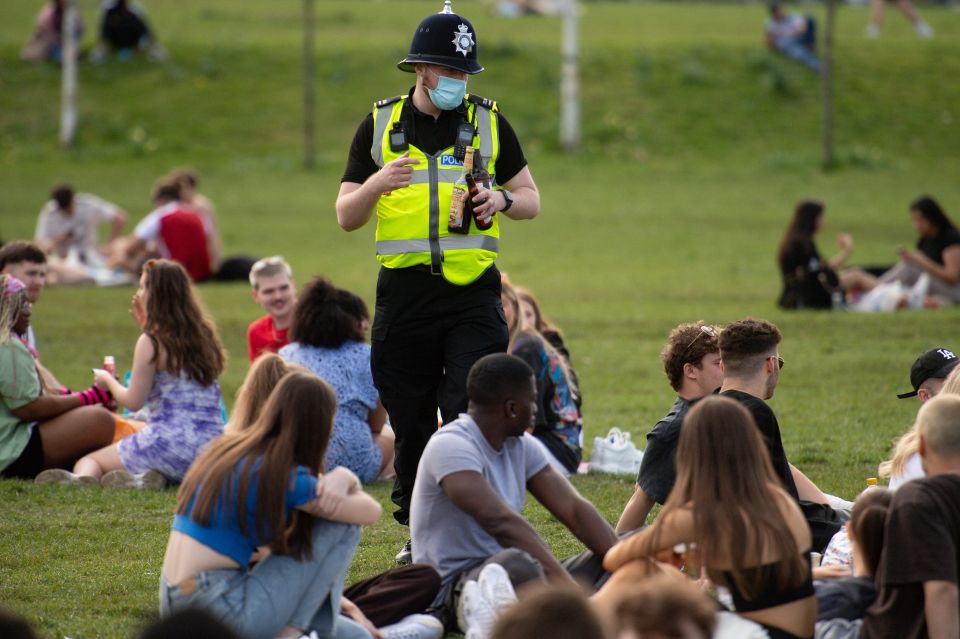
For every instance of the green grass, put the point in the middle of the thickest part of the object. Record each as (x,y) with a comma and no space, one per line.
(696,145)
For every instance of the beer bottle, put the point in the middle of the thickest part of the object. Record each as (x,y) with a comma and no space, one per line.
(459,220)
(481,178)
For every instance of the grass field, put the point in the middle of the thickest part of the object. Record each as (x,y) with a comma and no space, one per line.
(696,145)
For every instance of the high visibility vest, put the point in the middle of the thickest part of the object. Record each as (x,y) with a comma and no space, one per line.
(412,221)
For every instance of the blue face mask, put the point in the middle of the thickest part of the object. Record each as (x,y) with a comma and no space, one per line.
(449,92)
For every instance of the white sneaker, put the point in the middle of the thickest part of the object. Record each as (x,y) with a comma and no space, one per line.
(414,627)
(873,31)
(615,454)
(474,613)
(496,588)
(923,29)
(63,477)
(150,480)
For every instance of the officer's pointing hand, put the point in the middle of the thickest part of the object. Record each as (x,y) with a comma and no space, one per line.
(397,174)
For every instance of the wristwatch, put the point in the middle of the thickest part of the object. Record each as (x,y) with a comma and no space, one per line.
(508,198)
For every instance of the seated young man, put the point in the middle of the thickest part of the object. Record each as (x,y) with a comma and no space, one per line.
(751,369)
(274,290)
(68,223)
(792,35)
(471,485)
(920,563)
(691,361)
(174,232)
(28,263)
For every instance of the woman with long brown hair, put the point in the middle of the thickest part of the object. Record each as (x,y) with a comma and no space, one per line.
(262,492)
(176,363)
(750,535)
(559,426)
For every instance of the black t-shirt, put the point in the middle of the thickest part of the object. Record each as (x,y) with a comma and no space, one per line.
(658,470)
(933,247)
(920,544)
(122,28)
(844,598)
(431,135)
(807,279)
(770,429)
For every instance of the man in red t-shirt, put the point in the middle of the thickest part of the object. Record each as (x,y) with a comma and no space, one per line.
(173,231)
(274,290)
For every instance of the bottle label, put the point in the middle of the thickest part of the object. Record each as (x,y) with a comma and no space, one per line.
(457,202)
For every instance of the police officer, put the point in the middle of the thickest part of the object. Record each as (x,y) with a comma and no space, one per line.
(438,295)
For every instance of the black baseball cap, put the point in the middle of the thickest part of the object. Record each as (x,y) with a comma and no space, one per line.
(934,364)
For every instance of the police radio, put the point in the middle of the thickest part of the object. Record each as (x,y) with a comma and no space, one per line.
(465,133)
(398,138)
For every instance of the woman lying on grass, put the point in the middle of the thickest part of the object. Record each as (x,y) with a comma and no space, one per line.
(751,536)
(176,363)
(263,488)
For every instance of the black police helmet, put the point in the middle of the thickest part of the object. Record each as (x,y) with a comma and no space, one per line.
(445,39)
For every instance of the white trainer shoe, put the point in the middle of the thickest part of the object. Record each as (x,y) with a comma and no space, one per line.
(475,615)
(615,454)
(496,588)
(414,627)
(62,477)
(150,480)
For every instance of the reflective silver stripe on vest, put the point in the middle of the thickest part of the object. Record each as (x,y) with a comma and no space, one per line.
(485,131)
(382,121)
(449,176)
(436,253)
(450,242)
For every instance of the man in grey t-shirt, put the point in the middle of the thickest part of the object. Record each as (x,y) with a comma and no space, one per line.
(472,481)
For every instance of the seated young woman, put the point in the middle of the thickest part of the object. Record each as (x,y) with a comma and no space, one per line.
(558,424)
(40,429)
(534,318)
(262,493)
(848,597)
(809,281)
(937,254)
(176,363)
(387,603)
(327,338)
(750,535)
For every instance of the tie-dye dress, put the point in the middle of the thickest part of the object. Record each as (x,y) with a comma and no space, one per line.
(183,417)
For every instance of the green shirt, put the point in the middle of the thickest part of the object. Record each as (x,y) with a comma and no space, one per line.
(19,385)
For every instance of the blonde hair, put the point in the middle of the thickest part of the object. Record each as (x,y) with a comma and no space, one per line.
(951,385)
(906,446)
(264,375)
(909,442)
(939,423)
(9,309)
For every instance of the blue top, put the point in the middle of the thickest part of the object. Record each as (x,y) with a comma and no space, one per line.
(347,370)
(224,533)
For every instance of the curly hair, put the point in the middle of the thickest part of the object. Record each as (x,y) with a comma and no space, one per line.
(328,316)
(177,322)
(688,344)
(742,341)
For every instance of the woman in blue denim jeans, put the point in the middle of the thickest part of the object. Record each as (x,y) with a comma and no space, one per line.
(260,495)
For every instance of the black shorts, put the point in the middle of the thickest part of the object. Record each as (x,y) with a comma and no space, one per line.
(30,462)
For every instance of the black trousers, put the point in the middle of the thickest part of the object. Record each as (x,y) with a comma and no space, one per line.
(427,334)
